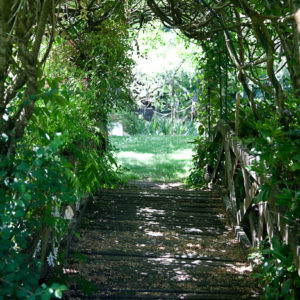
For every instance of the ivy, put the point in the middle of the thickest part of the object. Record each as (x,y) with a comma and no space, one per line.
(61,152)
(275,270)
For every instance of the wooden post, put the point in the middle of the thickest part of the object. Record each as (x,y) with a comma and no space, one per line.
(250,190)
(289,232)
(252,229)
(237,114)
(261,207)
(230,182)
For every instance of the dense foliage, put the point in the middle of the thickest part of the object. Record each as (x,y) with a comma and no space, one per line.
(164,73)
(250,48)
(64,65)
(62,70)
(134,124)
(275,269)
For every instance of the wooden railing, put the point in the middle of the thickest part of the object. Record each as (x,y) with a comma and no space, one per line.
(261,219)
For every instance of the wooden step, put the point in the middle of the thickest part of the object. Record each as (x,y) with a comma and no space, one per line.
(159,244)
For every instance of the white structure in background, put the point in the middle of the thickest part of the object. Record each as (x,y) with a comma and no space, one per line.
(116,129)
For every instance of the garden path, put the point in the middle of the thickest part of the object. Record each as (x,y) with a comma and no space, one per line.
(159,242)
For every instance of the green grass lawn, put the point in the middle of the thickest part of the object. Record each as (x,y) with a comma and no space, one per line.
(154,158)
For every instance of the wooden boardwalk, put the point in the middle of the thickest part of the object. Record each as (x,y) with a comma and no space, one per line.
(148,243)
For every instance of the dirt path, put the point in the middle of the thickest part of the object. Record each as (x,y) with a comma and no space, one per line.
(153,243)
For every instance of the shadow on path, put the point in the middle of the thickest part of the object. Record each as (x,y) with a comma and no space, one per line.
(156,243)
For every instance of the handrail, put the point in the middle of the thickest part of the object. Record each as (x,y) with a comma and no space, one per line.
(237,147)
(269,214)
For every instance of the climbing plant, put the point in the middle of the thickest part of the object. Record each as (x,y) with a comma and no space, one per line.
(64,65)
(251,48)
(164,73)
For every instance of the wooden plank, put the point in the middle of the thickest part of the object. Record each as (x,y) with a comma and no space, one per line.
(242,237)
(228,207)
(269,224)
(288,235)
(230,183)
(250,193)
(252,229)
(261,208)
(235,165)
(149,253)
(237,147)
(237,114)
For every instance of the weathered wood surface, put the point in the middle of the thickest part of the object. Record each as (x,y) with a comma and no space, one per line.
(238,149)
(160,244)
(269,215)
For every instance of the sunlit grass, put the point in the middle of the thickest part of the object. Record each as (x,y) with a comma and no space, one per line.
(154,158)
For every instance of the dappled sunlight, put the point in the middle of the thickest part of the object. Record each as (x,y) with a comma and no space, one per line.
(136,156)
(182,275)
(147,211)
(182,154)
(164,186)
(167,261)
(153,233)
(70,271)
(151,239)
(155,158)
(239,268)
(166,171)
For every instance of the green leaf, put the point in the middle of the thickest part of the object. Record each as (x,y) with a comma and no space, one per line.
(38,174)
(41,151)
(264,194)
(267,251)
(57,142)
(2,174)
(275,243)
(46,295)
(20,203)
(285,287)
(279,255)
(19,213)
(60,100)
(295,166)
(59,292)
(23,167)
(76,234)
(22,294)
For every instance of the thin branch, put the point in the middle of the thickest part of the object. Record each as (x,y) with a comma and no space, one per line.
(53,23)
(47,7)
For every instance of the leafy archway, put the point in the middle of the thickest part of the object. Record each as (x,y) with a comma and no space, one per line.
(65,64)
